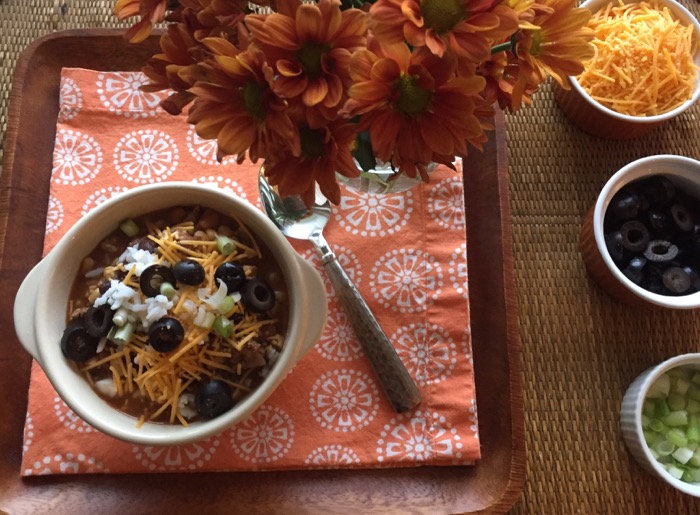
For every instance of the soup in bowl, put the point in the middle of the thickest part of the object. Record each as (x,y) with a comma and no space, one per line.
(169,313)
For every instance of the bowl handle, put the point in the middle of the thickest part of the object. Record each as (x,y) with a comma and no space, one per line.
(317,316)
(24,309)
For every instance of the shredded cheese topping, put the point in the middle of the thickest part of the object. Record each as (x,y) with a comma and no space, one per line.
(138,369)
(643,64)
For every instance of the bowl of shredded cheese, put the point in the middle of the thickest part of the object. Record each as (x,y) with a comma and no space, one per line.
(644,72)
(169,313)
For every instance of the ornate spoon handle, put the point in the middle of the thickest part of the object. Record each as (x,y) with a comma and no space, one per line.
(390,370)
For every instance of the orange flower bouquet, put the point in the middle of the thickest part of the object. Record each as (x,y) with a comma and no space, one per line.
(333,87)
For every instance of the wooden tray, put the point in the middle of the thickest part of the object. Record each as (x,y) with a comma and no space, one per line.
(492,485)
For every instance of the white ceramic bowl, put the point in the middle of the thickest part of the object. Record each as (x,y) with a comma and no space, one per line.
(40,308)
(631,420)
(685,173)
(601,121)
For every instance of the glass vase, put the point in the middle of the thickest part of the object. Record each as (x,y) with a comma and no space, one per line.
(383,179)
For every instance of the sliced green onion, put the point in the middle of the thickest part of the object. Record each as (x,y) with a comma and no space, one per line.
(676,437)
(692,433)
(681,386)
(226,304)
(694,392)
(695,460)
(120,317)
(123,334)
(129,228)
(691,476)
(649,437)
(696,378)
(676,418)
(223,327)
(655,424)
(167,289)
(225,245)
(648,408)
(692,406)
(663,447)
(645,421)
(676,402)
(661,408)
(682,455)
(660,387)
(674,471)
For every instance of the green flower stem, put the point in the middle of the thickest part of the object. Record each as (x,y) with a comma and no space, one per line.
(503,47)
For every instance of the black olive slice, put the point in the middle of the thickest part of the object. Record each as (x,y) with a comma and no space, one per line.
(624,206)
(659,190)
(213,399)
(634,271)
(153,276)
(660,251)
(165,334)
(635,236)
(682,218)
(232,275)
(257,295)
(658,222)
(613,242)
(676,280)
(77,344)
(98,321)
(189,272)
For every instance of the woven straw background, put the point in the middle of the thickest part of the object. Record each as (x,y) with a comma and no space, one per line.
(580,348)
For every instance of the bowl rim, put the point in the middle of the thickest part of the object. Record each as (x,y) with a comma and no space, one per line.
(121,425)
(652,374)
(671,165)
(686,17)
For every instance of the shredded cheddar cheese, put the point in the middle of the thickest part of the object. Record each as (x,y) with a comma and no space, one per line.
(643,64)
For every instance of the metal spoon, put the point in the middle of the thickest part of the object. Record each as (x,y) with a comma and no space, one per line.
(297,221)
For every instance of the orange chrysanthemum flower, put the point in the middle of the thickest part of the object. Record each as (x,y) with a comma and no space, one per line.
(235,104)
(151,12)
(416,109)
(556,48)
(467,27)
(309,47)
(323,152)
(500,72)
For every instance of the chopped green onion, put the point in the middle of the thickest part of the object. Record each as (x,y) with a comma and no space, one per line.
(122,335)
(692,433)
(696,378)
(225,245)
(120,317)
(676,418)
(691,476)
(656,425)
(681,386)
(676,402)
(649,437)
(648,408)
(682,455)
(674,471)
(226,304)
(663,447)
(645,421)
(167,289)
(694,392)
(695,460)
(661,408)
(660,387)
(223,327)
(129,228)
(676,437)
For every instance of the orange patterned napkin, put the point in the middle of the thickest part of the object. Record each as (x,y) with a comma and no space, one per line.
(406,252)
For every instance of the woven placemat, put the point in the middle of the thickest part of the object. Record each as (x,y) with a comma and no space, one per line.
(580,348)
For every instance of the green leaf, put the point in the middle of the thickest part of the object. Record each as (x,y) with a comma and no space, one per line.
(364,153)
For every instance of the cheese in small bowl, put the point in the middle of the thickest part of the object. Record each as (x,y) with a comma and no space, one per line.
(643,64)
(645,70)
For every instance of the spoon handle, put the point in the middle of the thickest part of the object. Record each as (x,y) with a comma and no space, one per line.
(390,370)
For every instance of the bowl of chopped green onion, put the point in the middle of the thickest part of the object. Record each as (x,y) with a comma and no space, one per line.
(660,421)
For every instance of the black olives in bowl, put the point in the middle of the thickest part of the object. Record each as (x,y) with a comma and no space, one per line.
(641,239)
